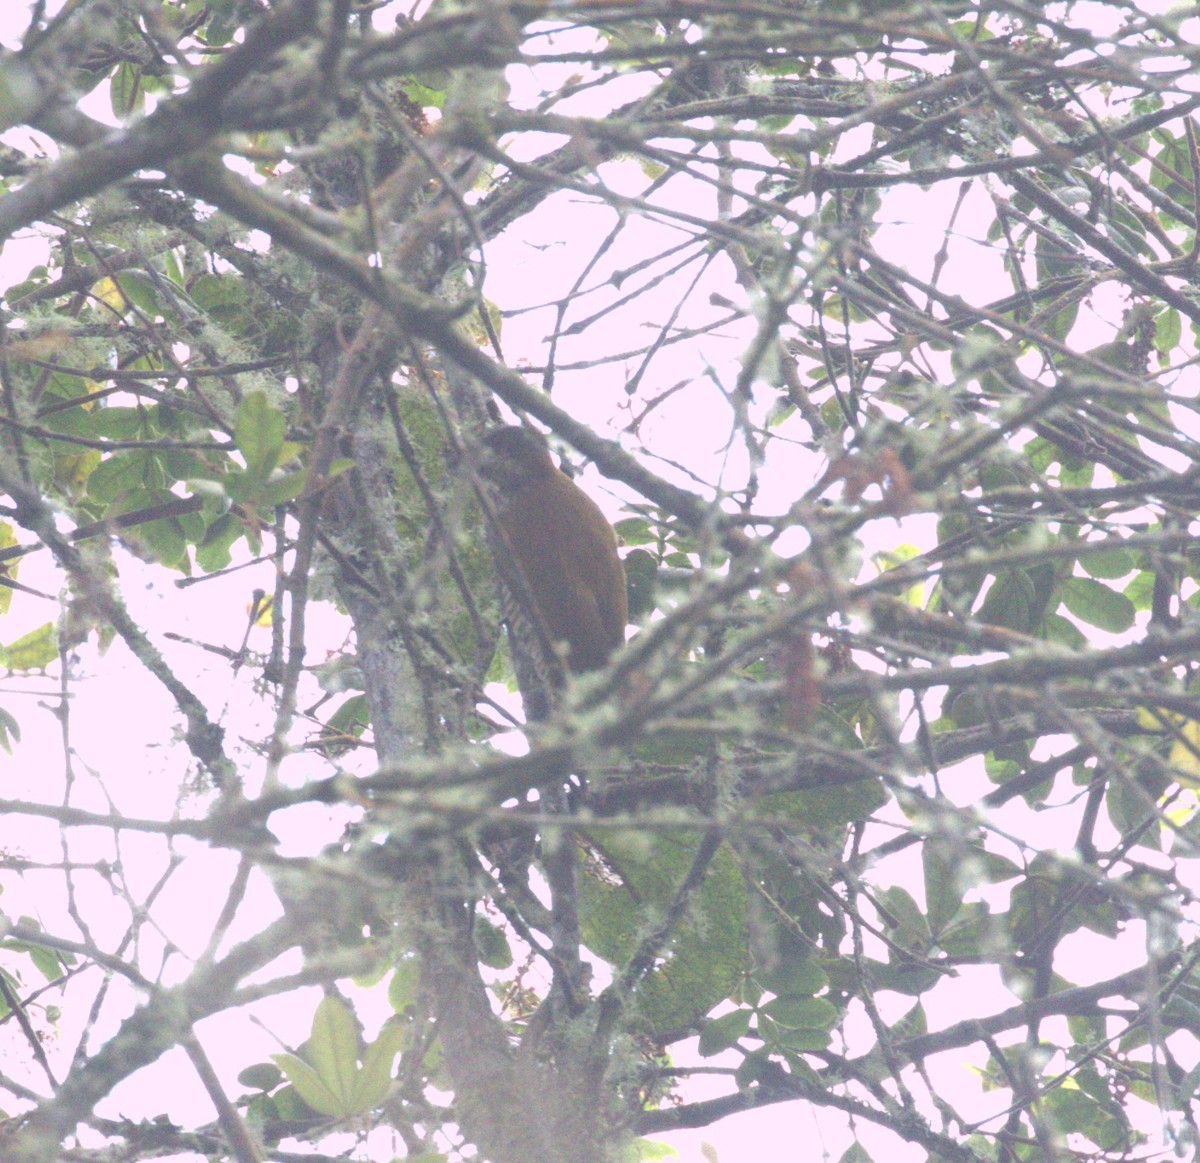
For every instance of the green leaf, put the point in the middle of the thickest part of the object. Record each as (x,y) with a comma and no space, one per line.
(375,1079)
(1056,628)
(1140,590)
(309,1085)
(1076,474)
(1108,563)
(172,263)
(1168,331)
(213,552)
(491,944)
(1074,1112)
(799,1038)
(142,291)
(797,1013)
(1010,602)
(647,1151)
(167,538)
(125,89)
(402,989)
(1086,1028)
(1041,454)
(912,1024)
(286,488)
(289,1104)
(794,978)
(721,1033)
(904,918)
(222,296)
(259,434)
(964,934)
(118,474)
(119,424)
(635,531)
(641,573)
(832,805)
(10,731)
(262,1076)
(33,651)
(333,1083)
(628,883)
(49,963)
(333,1046)
(942,895)
(1096,604)
(758,1066)
(433,97)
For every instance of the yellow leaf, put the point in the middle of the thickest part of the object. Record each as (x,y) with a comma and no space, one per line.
(1185,751)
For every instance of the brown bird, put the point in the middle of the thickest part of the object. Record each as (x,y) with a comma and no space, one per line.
(563,544)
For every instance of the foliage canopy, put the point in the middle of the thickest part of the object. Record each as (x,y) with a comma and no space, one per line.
(876,319)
